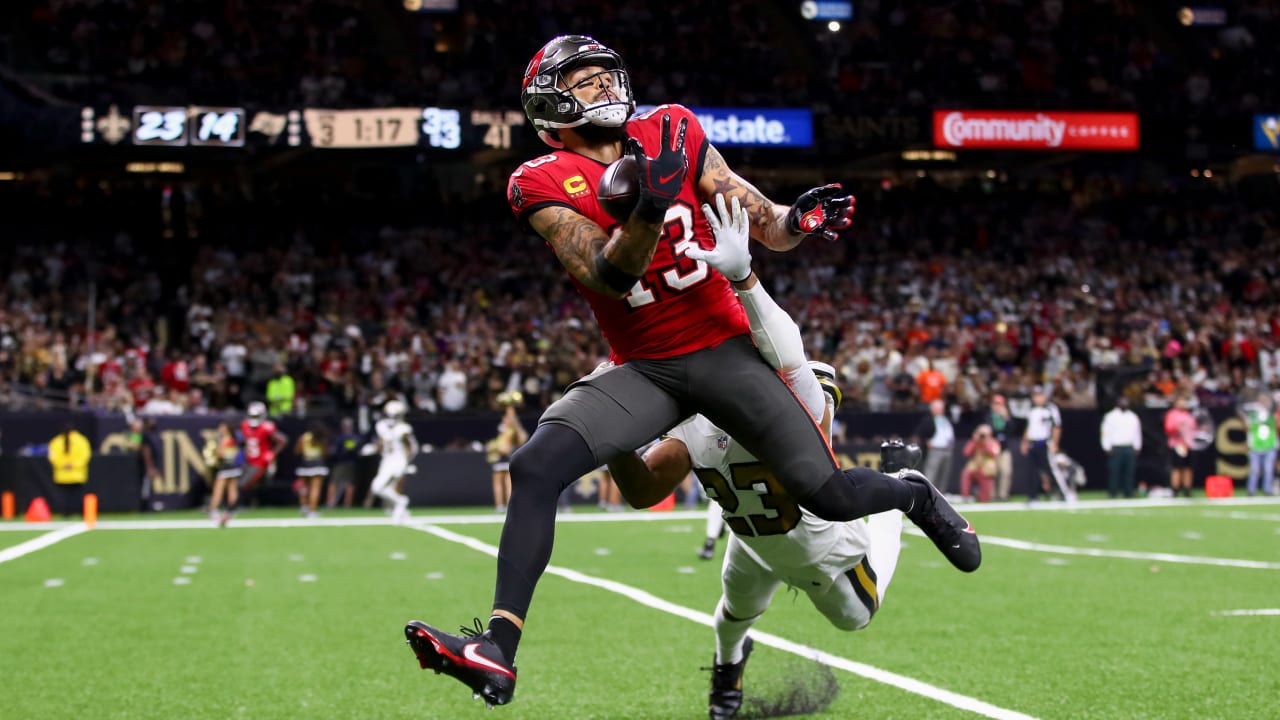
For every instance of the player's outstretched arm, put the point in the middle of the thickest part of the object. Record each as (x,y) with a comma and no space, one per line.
(775,333)
(823,211)
(644,482)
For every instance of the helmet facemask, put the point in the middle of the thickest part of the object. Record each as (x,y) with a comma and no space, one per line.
(549,100)
(611,110)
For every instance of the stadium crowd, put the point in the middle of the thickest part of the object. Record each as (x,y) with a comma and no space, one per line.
(1000,286)
(204,291)
(1095,54)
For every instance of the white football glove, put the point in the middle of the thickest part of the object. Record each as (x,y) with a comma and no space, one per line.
(730,256)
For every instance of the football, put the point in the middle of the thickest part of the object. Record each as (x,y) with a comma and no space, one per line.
(619,188)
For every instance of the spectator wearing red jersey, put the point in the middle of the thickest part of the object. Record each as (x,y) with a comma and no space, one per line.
(176,373)
(141,387)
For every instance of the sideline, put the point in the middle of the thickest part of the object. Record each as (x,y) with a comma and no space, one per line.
(686,515)
(39,543)
(490,518)
(248,521)
(901,682)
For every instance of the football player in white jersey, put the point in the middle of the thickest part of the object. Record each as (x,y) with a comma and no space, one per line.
(398,446)
(844,567)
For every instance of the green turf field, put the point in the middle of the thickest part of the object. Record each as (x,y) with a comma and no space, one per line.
(1093,613)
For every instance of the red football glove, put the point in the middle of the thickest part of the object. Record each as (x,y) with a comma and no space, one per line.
(824,211)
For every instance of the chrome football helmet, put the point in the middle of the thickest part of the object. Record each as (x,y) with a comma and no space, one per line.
(257,412)
(395,409)
(549,101)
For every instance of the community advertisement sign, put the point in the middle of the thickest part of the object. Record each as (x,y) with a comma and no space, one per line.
(1047,130)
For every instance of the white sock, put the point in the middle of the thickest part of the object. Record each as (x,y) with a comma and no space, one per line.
(729,636)
(886,544)
(715,520)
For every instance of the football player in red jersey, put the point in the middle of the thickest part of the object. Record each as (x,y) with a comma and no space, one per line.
(679,338)
(261,441)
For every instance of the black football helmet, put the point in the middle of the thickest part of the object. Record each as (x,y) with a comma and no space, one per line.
(549,101)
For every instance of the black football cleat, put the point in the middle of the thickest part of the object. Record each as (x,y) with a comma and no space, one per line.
(708,550)
(726,685)
(949,531)
(472,658)
(895,456)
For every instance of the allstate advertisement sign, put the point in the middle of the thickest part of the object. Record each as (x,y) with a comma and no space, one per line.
(755,127)
(1266,132)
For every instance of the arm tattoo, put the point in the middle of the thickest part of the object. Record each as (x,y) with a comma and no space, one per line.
(577,240)
(768,220)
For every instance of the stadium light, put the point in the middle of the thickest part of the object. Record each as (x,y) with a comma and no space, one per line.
(833,26)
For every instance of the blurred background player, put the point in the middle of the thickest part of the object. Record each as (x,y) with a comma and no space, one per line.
(511,435)
(715,529)
(222,457)
(398,446)
(262,443)
(312,450)
(145,440)
(844,567)
(608,497)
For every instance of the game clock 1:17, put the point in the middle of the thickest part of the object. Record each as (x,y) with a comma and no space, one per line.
(384,128)
(372,128)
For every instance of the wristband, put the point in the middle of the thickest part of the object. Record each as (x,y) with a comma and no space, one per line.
(612,276)
(650,212)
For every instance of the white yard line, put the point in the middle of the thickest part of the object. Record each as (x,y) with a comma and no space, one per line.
(1121,554)
(38,543)
(901,682)
(1247,613)
(1241,515)
(1018,505)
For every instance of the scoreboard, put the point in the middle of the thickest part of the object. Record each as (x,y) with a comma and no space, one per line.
(209,126)
(440,128)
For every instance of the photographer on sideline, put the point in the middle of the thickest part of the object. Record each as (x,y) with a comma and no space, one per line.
(983,452)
